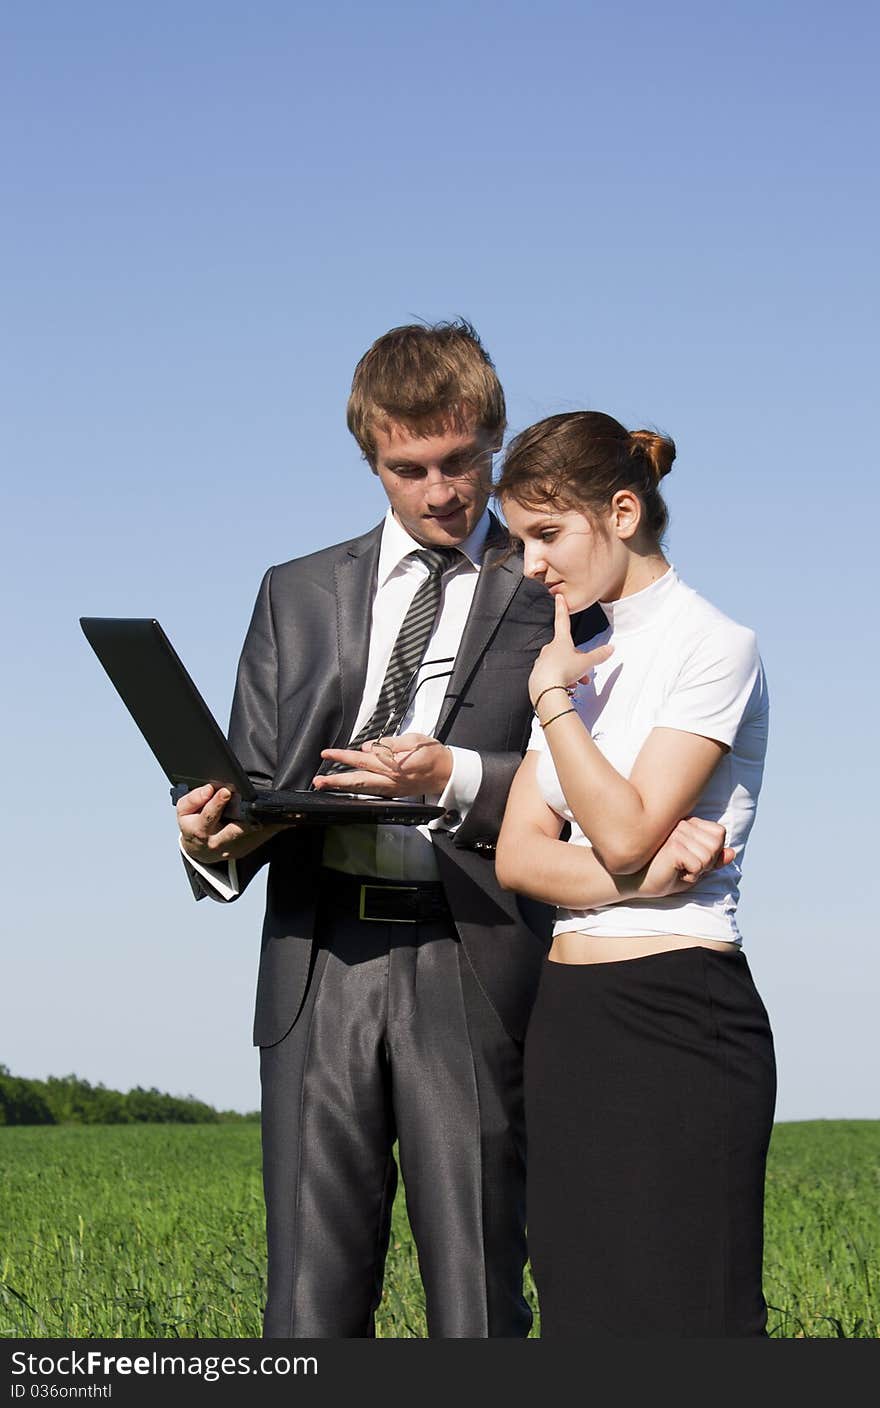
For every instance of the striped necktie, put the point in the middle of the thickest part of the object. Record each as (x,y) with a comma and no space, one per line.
(406,655)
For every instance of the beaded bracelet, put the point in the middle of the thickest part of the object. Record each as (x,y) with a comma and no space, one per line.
(570,689)
(558,716)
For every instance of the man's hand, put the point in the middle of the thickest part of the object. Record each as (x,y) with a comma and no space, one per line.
(412,765)
(206,837)
(560,662)
(693,849)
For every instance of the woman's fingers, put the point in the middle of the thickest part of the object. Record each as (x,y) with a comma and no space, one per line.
(702,841)
(591,658)
(561,661)
(561,619)
(688,862)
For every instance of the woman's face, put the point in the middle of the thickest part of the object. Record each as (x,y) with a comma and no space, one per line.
(570,553)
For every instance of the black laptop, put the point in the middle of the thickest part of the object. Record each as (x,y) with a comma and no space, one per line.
(190,746)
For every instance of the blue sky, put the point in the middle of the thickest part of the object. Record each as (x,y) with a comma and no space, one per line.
(211,210)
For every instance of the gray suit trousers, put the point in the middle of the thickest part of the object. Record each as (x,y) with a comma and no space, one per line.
(395,1041)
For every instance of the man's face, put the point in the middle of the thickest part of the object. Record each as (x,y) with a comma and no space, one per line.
(437,485)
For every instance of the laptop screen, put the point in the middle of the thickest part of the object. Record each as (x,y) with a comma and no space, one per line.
(155,687)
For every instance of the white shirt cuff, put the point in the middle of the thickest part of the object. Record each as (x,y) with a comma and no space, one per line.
(458,795)
(213,874)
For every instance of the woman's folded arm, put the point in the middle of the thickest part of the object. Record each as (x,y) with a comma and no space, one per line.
(628,819)
(531,859)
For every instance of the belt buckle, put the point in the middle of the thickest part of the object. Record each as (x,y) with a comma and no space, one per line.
(375,919)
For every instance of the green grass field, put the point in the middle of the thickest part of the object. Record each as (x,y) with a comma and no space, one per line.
(152,1231)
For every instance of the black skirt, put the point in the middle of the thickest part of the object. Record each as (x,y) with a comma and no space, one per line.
(650,1086)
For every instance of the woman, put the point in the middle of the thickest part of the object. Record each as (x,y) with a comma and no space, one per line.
(650,1076)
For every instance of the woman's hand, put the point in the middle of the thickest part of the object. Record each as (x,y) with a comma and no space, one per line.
(560,662)
(695,847)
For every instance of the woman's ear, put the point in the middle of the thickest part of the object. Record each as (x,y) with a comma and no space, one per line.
(626,513)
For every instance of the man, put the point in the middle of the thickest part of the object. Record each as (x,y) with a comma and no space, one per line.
(395,976)
(405,1023)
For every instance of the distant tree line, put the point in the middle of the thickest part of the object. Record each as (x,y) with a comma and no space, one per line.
(69,1100)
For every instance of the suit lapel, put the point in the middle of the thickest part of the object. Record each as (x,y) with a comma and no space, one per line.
(355,580)
(496,586)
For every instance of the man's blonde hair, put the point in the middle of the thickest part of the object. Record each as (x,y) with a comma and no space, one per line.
(427,379)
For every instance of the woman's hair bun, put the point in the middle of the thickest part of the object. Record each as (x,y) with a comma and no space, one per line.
(658,450)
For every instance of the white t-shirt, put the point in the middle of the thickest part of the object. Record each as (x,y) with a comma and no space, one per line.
(680,663)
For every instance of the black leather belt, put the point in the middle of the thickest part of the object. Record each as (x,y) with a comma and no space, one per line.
(386,901)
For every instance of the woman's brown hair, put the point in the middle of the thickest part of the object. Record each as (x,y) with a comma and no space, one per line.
(580,459)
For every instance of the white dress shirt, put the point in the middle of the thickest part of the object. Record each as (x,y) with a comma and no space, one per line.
(405,852)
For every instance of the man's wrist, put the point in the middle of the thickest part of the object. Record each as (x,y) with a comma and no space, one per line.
(194,850)
(220,876)
(462,786)
(444,769)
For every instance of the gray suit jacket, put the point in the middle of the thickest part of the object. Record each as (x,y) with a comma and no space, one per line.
(298,690)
